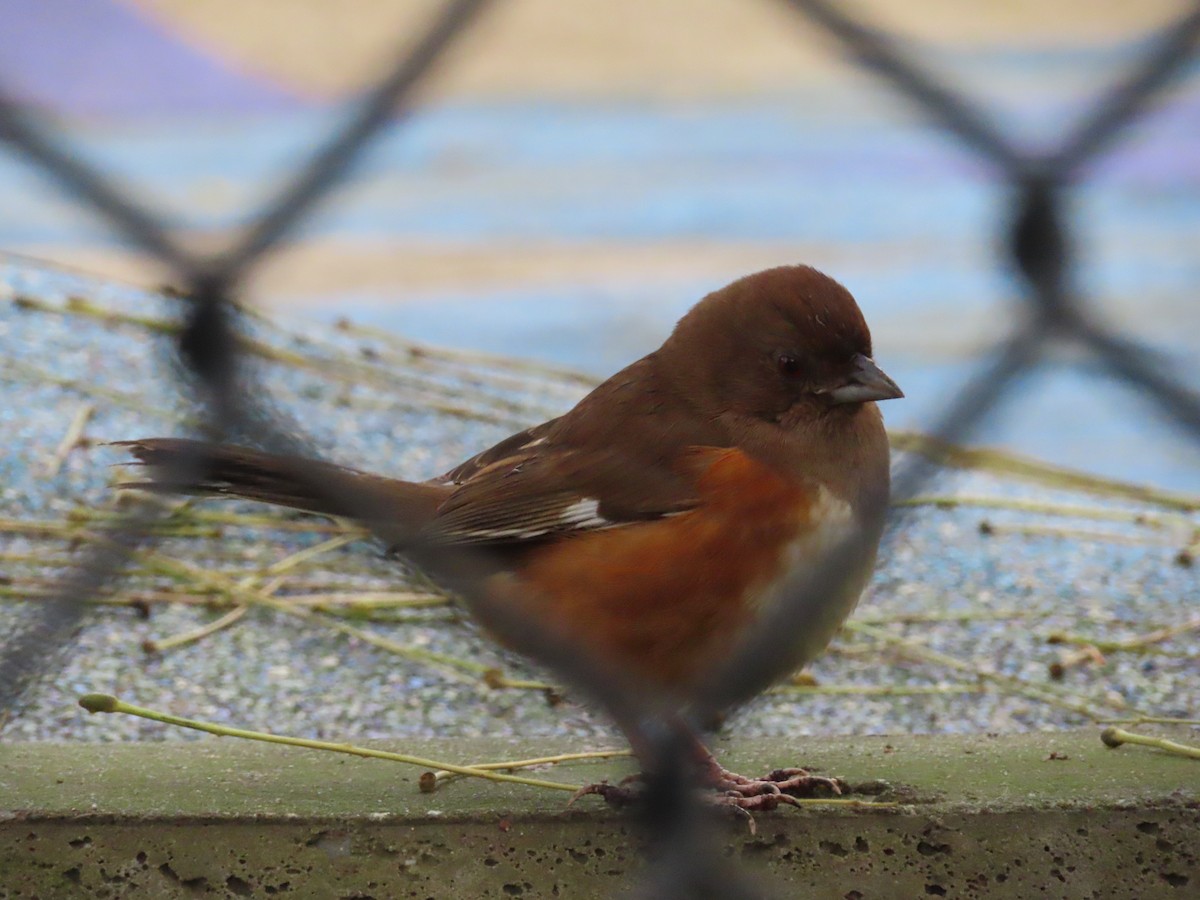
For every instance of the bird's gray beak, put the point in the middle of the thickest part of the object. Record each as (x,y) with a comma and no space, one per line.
(867,382)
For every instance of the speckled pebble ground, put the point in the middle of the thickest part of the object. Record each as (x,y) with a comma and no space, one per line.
(986,602)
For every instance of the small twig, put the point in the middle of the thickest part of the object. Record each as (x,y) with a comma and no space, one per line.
(1115,737)
(1087,653)
(994,615)
(1149,720)
(211,514)
(431,780)
(38,559)
(70,440)
(30,372)
(501,377)
(877,690)
(412,349)
(346,367)
(293,560)
(1004,463)
(40,528)
(230,618)
(368,601)
(1041,693)
(497,680)
(105,703)
(460,669)
(1080,534)
(188,637)
(1042,507)
(1133,644)
(241,594)
(29,589)
(449,664)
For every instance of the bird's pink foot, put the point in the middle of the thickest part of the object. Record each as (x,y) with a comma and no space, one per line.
(781,786)
(784,786)
(626,792)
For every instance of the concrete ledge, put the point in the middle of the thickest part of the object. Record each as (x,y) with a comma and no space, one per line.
(1055,815)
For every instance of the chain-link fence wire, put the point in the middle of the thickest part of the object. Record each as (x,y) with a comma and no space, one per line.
(684,863)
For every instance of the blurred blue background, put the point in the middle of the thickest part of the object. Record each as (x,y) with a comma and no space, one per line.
(575,180)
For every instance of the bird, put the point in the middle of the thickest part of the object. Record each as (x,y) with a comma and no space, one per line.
(655,521)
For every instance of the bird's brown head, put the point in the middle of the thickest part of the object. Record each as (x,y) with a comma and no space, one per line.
(772,342)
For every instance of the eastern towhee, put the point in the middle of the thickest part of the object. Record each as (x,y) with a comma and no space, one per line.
(653,521)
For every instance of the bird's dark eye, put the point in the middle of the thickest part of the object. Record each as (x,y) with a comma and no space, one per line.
(788,364)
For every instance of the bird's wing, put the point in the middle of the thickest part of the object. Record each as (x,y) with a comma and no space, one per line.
(544,492)
(514,445)
(625,453)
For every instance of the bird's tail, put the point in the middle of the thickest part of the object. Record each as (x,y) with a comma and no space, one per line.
(392,508)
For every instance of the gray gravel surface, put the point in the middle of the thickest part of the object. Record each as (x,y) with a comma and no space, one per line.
(956,624)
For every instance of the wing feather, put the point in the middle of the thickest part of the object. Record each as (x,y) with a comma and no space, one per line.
(544,493)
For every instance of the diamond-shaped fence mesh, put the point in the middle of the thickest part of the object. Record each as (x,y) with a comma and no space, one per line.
(211,344)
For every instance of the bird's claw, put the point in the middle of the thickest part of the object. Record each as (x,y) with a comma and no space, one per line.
(802,783)
(623,793)
(787,782)
(733,792)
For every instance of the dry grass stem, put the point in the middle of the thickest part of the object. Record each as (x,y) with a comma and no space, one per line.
(70,440)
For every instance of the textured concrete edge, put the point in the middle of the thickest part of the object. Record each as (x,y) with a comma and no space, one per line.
(979,816)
